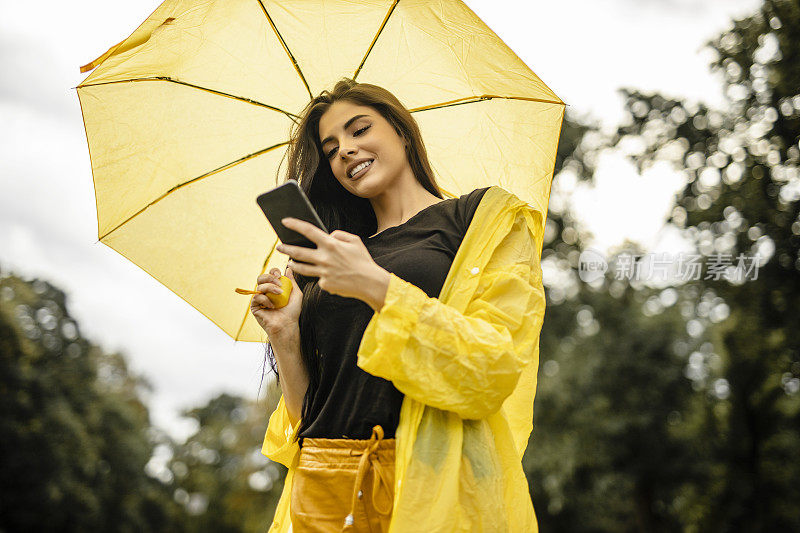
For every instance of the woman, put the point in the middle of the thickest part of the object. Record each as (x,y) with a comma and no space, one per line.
(356,346)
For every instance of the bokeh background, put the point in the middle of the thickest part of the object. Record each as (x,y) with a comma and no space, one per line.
(662,405)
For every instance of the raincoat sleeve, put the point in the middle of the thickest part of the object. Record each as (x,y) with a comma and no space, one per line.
(279,444)
(466,362)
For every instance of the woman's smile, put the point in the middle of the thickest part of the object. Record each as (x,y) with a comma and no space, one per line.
(363,168)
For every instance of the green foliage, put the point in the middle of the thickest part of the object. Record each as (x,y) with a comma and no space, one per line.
(73,429)
(77,452)
(742,198)
(614,437)
(686,415)
(220,474)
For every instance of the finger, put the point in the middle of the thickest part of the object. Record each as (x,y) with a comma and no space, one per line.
(341,235)
(263,301)
(272,277)
(300,253)
(269,287)
(307,229)
(303,269)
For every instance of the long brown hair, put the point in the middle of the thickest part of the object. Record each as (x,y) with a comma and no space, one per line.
(337,207)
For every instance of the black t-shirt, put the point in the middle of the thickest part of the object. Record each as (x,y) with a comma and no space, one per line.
(349,401)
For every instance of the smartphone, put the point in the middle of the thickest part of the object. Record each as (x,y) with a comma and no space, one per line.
(289,200)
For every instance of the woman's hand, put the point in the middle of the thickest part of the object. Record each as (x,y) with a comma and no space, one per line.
(341,261)
(276,322)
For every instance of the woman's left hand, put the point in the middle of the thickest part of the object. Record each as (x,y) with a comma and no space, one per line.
(340,261)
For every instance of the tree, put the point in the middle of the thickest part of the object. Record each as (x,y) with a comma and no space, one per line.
(741,199)
(221,477)
(73,429)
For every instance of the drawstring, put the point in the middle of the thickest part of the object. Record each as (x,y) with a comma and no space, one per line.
(378,479)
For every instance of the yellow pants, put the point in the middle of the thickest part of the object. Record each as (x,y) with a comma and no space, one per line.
(344,485)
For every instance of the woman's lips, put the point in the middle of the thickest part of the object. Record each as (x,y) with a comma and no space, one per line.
(363,171)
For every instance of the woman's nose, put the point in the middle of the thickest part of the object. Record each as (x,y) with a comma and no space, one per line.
(349,150)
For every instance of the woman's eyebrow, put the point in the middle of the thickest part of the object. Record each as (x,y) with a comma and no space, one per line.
(346,125)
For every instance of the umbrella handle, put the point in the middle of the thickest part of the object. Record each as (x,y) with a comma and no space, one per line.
(245,291)
(279,300)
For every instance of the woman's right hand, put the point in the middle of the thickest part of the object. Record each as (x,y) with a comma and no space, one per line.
(276,321)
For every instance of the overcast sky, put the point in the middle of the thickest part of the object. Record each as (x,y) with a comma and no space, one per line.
(584,50)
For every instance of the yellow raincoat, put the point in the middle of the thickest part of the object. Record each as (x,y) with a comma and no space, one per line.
(467,364)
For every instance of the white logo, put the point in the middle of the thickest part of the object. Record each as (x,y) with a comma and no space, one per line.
(592,265)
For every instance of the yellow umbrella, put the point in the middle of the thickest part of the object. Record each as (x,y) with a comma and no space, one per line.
(188,119)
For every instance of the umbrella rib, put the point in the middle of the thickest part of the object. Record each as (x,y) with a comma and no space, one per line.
(286,49)
(385,19)
(446,192)
(472,99)
(176,187)
(213,91)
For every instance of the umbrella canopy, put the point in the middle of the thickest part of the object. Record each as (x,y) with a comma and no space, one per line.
(188,119)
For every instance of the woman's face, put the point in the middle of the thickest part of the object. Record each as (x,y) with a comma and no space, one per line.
(353,134)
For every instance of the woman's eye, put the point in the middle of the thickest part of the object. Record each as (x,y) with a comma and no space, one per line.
(355,134)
